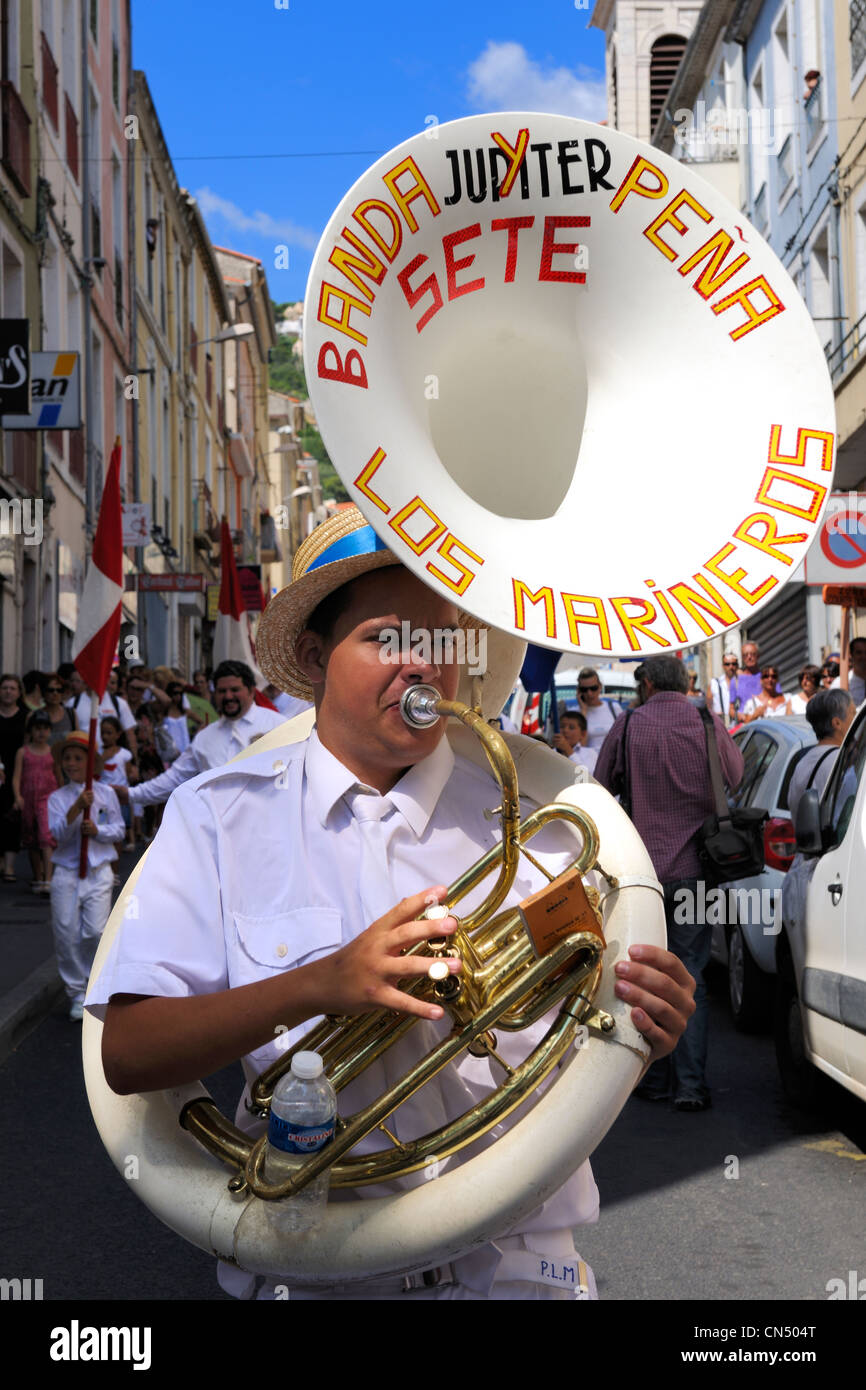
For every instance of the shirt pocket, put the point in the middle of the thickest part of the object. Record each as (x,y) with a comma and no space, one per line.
(283,940)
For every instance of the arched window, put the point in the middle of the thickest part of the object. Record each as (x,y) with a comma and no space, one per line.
(665,57)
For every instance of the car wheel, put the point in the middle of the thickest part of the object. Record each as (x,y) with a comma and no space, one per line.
(800,1080)
(749,989)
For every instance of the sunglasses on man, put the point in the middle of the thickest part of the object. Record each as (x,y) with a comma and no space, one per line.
(585,689)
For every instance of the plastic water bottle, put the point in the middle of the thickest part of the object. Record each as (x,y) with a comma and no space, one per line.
(303,1113)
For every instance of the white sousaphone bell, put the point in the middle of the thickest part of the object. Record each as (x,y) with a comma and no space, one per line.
(574,391)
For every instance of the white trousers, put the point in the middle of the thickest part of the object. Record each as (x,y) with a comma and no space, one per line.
(530,1267)
(80,908)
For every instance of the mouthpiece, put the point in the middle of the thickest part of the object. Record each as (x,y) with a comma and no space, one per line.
(418,706)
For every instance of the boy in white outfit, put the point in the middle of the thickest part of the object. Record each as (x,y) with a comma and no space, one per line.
(80,907)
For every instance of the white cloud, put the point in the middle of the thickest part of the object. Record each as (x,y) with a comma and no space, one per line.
(260,223)
(505,78)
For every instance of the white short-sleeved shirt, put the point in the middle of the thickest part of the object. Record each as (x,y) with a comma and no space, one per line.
(106,816)
(114,771)
(257,868)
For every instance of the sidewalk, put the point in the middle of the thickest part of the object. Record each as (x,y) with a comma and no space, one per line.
(29,984)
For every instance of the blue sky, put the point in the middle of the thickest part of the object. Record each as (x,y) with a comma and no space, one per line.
(339,83)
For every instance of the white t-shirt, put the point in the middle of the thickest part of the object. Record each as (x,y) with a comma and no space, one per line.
(600,719)
(262,866)
(81,707)
(585,757)
(114,772)
(178,729)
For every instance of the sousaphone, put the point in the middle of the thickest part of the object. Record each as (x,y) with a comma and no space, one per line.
(574,391)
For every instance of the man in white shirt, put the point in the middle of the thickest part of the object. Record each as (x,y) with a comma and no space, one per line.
(111,703)
(242,720)
(720,688)
(254,906)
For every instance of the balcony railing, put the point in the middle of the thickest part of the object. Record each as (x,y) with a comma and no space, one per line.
(49,84)
(846,352)
(16,139)
(71,138)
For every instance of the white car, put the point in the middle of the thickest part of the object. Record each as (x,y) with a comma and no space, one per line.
(821,948)
(743,914)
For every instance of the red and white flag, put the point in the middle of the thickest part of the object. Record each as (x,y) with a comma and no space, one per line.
(232,640)
(99,613)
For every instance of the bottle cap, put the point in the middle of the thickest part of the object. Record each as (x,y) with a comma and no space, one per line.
(307,1065)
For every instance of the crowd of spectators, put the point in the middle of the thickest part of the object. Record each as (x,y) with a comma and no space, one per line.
(146,719)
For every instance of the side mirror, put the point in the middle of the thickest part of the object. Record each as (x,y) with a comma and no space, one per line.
(807,823)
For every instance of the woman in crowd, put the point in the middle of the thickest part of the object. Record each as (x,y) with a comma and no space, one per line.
(33,781)
(829,674)
(809,682)
(599,715)
(767,705)
(202,701)
(13,718)
(62,719)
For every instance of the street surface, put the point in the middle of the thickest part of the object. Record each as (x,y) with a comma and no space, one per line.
(673,1226)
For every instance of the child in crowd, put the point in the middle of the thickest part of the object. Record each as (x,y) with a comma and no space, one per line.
(33,781)
(118,766)
(177,718)
(80,906)
(572,740)
(156,751)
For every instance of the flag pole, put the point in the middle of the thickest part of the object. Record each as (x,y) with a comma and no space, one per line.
(88,781)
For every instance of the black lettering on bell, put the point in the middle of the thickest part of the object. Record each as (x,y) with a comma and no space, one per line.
(475,195)
(456,193)
(541,149)
(563,159)
(597,174)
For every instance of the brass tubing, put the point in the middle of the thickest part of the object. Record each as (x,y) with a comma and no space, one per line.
(214,1132)
(365,1120)
(367,1168)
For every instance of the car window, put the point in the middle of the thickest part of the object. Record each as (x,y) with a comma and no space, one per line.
(841,792)
(758,754)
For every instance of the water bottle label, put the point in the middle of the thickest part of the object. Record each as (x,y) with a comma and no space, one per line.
(299,1139)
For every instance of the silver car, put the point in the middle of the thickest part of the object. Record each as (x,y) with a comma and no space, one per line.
(744,914)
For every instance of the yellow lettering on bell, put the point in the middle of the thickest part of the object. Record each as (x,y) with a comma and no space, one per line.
(362,217)
(368,263)
(771,539)
(632,183)
(516,156)
(575,619)
(437,528)
(668,216)
(754,316)
(642,623)
(693,602)
(349,302)
(776,475)
(405,197)
(522,592)
(798,460)
(363,480)
(664,603)
(466,575)
(735,581)
(712,277)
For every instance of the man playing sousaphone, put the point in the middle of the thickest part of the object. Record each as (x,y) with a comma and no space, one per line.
(286,885)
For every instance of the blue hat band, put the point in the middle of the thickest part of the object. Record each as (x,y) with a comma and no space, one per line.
(363,541)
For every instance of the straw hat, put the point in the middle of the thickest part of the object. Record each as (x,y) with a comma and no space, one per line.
(342,548)
(77,739)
